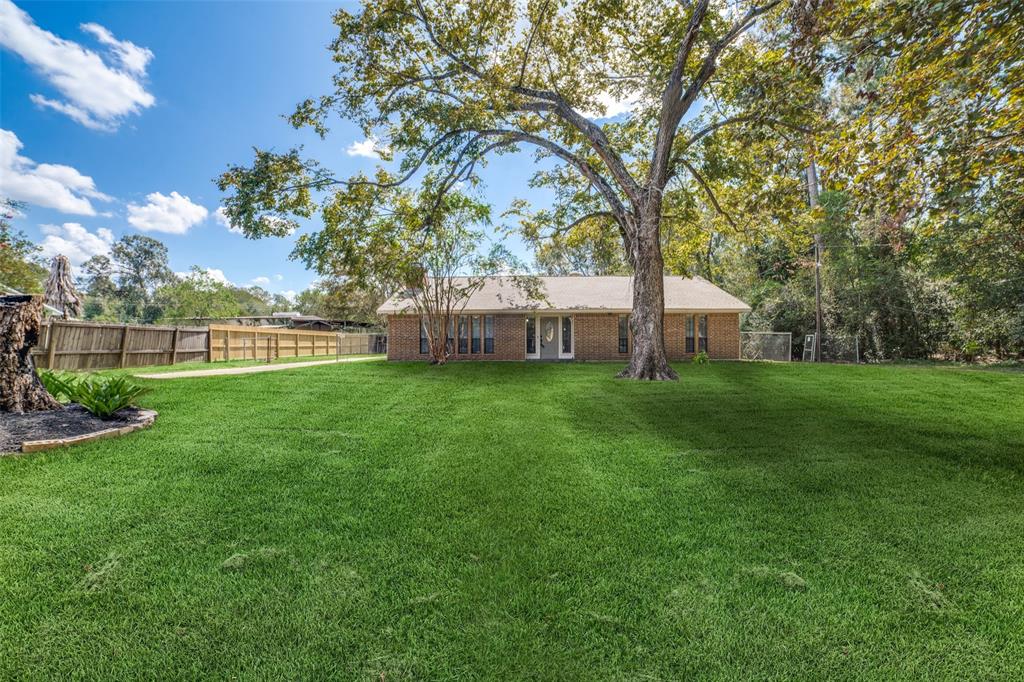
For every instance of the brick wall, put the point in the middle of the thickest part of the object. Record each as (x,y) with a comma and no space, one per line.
(509,339)
(597,337)
(724,336)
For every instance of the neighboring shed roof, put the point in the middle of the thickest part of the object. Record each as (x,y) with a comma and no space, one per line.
(609,294)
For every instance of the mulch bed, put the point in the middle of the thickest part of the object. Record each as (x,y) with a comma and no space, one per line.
(67,422)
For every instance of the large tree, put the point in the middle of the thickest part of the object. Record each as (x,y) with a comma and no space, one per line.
(197,296)
(127,280)
(443,86)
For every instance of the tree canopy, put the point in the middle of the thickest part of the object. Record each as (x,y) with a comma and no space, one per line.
(442,87)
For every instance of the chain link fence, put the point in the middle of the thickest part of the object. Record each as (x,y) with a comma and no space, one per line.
(838,348)
(776,346)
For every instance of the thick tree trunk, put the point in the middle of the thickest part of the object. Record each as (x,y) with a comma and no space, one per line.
(647,323)
(20,388)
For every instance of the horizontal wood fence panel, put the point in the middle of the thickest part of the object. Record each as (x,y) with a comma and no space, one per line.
(235,342)
(73,345)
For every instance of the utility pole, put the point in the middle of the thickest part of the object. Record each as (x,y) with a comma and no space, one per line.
(812,195)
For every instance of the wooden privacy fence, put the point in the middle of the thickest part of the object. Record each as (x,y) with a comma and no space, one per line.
(233,342)
(76,345)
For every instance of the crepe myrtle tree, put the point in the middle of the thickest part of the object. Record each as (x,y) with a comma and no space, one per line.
(449,270)
(426,244)
(440,87)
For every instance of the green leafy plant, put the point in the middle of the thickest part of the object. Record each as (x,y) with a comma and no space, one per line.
(701,358)
(103,396)
(971,350)
(61,385)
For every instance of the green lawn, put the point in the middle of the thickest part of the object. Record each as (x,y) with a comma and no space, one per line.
(496,521)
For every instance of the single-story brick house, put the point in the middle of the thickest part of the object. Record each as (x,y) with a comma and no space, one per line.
(580,318)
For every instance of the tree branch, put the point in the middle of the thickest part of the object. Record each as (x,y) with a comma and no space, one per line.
(711,195)
(600,183)
(674,109)
(558,105)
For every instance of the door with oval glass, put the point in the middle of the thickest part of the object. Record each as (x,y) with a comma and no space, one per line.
(549,338)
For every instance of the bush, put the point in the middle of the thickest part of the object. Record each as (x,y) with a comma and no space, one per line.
(103,396)
(701,358)
(61,385)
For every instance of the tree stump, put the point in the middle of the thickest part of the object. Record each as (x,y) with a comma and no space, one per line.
(20,387)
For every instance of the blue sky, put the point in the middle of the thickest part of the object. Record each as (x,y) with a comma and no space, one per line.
(151,101)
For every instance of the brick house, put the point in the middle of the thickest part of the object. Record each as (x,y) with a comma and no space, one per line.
(580,318)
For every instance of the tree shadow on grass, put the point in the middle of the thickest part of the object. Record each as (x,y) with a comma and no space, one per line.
(768,412)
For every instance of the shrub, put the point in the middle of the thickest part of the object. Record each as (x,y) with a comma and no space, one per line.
(103,396)
(971,350)
(61,385)
(701,358)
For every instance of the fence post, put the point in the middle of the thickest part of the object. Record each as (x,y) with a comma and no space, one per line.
(227,344)
(174,347)
(52,350)
(124,346)
(209,344)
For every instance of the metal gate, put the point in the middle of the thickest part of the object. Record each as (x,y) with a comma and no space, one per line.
(777,346)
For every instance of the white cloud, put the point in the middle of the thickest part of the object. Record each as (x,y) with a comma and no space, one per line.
(49,185)
(278,278)
(133,58)
(222,219)
(217,275)
(214,274)
(173,214)
(97,93)
(75,242)
(290,294)
(612,106)
(368,148)
(261,281)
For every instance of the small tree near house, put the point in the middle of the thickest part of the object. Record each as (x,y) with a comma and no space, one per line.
(380,236)
(450,270)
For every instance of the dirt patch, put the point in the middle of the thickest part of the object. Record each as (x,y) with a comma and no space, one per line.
(67,422)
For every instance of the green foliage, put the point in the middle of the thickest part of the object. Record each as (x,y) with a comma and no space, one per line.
(105,395)
(341,299)
(18,255)
(195,296)
(61,385)
(442,87)
(701,358)
(122,287)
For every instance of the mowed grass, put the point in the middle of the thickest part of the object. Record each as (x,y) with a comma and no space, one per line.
(530,521)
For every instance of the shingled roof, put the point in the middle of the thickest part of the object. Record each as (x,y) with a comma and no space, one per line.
(605,294)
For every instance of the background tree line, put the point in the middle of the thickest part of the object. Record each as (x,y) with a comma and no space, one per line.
(135,284)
